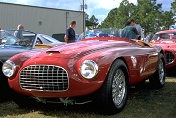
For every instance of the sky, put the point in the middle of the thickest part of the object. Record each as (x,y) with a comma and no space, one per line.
(99,8)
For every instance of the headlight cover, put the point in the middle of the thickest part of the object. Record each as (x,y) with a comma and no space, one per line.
(8,68)
(89,69)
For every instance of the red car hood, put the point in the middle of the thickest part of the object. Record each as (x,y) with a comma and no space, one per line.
(86,47)
(166,43)
(71,51)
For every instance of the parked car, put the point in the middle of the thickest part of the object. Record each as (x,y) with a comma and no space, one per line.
(10,46)
(167,40)
(100,67)
(60,37)
(43,39)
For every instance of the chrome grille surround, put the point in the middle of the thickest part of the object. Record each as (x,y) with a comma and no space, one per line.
(169,57)
(44,78)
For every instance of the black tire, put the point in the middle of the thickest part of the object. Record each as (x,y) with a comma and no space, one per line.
(158,79)
(25,102)
(108,104)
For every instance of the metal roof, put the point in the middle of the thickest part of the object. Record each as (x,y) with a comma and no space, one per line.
(39,7)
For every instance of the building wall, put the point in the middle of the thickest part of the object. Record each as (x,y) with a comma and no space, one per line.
(38,19)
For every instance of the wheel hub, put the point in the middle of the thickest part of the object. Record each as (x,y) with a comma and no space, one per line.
(161,72)
(118,87)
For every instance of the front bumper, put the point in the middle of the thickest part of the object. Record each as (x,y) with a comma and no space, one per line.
(78,86)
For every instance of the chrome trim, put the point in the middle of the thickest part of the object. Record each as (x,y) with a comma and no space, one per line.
(95,66)
(118,87)
(12,65)
(49,78)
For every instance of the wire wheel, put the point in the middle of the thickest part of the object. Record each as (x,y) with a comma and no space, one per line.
(158,79)
(161,72)
(118,87)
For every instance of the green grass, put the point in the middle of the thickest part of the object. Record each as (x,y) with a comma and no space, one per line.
(143,102)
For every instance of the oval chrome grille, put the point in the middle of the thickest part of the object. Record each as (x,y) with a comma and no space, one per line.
(169,57)
(44,78)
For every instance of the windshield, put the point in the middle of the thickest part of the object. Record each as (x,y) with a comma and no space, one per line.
(50,39)
(16,38)
(107,33)
(165,36)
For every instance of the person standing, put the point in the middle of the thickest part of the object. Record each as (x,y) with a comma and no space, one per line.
(70,33)
(138,27)
(18,32)
(129,31)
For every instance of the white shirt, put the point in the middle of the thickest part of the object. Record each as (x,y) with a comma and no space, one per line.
(140,31)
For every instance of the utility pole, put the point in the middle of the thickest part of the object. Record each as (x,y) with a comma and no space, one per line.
(83,7)
(67,19)
(83,17)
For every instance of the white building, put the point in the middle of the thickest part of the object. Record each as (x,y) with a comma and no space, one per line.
(39,19)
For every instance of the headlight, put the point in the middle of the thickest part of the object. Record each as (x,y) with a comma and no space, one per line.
(8,68)
(89,69)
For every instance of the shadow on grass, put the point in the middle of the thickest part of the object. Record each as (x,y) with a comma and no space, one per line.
(142,93)
(171,72)
(143,101)
(86,109)
(11,109)
(5,92)
(7,106)
(70,110)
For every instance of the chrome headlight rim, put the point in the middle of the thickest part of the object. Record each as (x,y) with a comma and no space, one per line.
(10,72)
(93,64)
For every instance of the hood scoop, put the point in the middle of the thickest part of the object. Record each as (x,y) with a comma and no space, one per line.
(52,51)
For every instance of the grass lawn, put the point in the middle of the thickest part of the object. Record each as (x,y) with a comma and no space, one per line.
(143,102)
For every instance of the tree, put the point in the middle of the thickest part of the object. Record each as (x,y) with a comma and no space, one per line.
(167,20)
(173,10)
(109,20)
(173,7)
(125,11)
(117,17)
(147,13)
(92,23)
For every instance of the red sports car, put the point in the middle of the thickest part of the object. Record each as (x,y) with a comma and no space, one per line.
(167,40)
(101,67)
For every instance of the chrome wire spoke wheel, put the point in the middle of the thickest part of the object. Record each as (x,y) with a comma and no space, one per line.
(157,80)
(118,87)
(113,94)
(161,72)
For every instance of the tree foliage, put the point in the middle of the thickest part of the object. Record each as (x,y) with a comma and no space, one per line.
(91,23)
(173,7)
(147,13)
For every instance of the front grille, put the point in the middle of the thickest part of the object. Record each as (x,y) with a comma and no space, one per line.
(169,57)
(44,78)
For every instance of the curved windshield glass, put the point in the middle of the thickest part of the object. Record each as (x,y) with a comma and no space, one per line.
(49,38)
(16,38)
(107,33)
(165,36)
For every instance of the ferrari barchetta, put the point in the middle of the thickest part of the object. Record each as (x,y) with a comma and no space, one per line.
(167,40)
(102,65)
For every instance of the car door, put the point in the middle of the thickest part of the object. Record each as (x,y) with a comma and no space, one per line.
(150,58)
(144,60)
(153,59)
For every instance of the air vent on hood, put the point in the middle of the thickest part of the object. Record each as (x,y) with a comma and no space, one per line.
(53,51)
